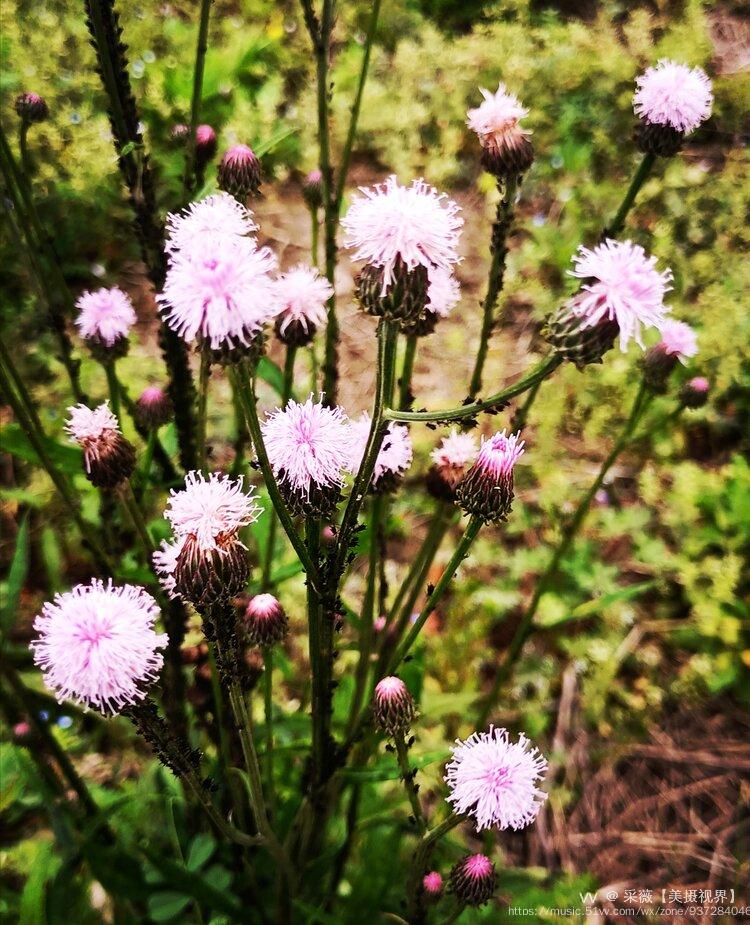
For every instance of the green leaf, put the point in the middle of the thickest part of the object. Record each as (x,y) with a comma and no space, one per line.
(19,568)
(32,907)
(589,608)
(389,770)
(271,374)
(201,849)
(193,884)
(14,441)
(265,147)
(165,906)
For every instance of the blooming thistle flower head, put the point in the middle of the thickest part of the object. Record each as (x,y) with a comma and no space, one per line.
(301,295)
(96,645)
(473,880)
(179,133)
(312,189)
(394,457)
(506,145)
(622,292)
(217,217)
(432,884)
(239,172)
(450,461)
(165,562)
(31,107)
(205,144)
(673,94)
(486,490)
(678,342)
(220,292)
(392,705)
(309,447)
(206,516)
(154,408)
(694,393)
(105,318)
(108,457)
(496,780)
(265,620)
(400,232)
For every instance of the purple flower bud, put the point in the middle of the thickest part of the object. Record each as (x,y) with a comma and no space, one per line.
(31,107)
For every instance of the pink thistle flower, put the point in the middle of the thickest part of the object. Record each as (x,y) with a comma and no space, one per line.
(308,445)
(673,94)
(498,454)
(694,393)
(487,491)
(301,295)
(443,292)
(96,645)
(107,456)
(507,148)
(239,172)
(392,705)
(473,879)
(623,285)
(154,407)
(265,620)
(205,143)
(455,451)
(678,339)
(312,189)
(165,562)
(31,107)
(217,217)
(220,291)
(106,315)
(432,883)
(700,384)
(414,226)
(211,510)
(495,780)
(394,458)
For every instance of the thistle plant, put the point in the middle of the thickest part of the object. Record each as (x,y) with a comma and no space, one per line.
(320,482)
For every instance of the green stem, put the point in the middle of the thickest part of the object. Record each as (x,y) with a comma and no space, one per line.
(315,235)
(618,222)
(203,380)
(286,391)
(541,371)
(405,398)
(499,248)
(569,534)
(136,515)
(459,554)
(421,860)
(346,154)
(36,438)
(522,415)
(224,752)
(189,178)
(148,457)
(246,392)
(268,708)
(318,667)
(387,335)
(23,147)
(114,388)
(407,775)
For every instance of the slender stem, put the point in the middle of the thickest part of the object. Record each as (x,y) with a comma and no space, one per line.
(23,147)
(522,414)
(136,515)
(569,534)
(387,334)
(366,632)
(541,371)
(346,154)
(246,392)
(286,391)
(203,380)
(148,456)
(499,248)
(189,178)
(459,554)
(36,438)
(421,860)
(317,666)
(224,751)
(618,222)
(315,235)
(407,775)
(114,388)
(268,708)
(405,398)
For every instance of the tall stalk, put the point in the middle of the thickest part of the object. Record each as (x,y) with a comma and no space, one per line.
(618,222)
(189,180)
(499,248)
(405,397)
(569,533)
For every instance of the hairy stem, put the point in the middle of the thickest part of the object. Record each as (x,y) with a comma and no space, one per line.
(189,180)
(618,222)
(499,248)
(203,380)
(407,776)
(268,710)
(569,534)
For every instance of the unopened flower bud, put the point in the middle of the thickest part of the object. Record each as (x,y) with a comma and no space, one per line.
(328,536)
(473,880)
(205,144)
(239,172)
(265,620)
(206,576)
(108,457)
(154,408)
(432,886)
(694,393)
(312,189)
(486,491)
(31,107)
(22,733)
(393,705)
(179,133)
